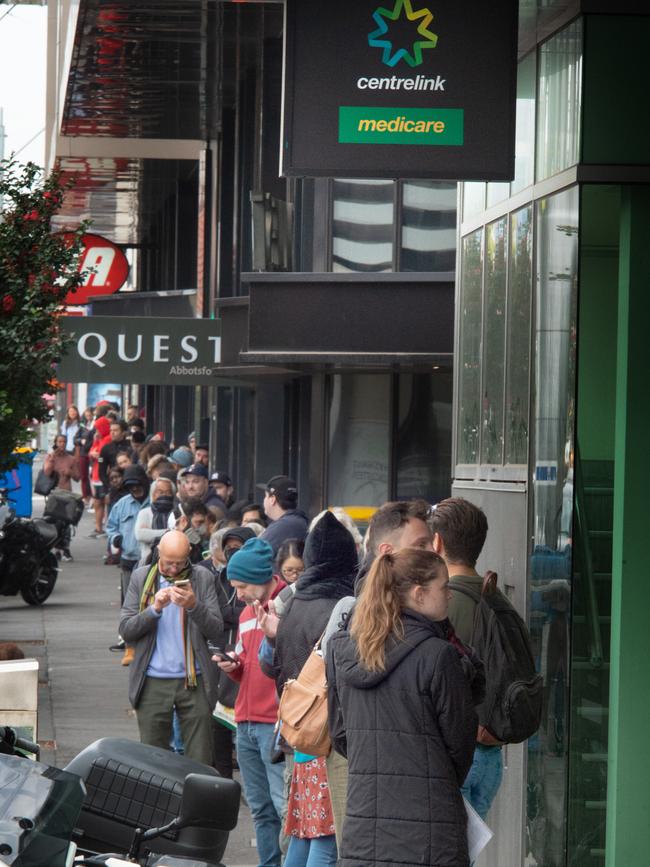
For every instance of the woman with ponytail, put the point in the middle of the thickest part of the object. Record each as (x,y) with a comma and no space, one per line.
(402,691)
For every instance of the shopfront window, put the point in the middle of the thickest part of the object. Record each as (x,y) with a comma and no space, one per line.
(470,349)
(494,343)
(423,446)
(359,439)
(518,347)
(552,515)
(560,89)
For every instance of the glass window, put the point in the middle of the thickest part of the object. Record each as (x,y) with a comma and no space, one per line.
(423,453)
(359,434)
(552,515)
(525,125)
(518,354)
(362,229)
(470,349)
(428,226)
(494,342)
(497,192)
(473,198)
(560,87)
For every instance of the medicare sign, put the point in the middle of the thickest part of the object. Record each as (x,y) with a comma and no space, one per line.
(412,88)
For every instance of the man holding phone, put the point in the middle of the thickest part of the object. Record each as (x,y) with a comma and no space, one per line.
(169,614)
(250,571)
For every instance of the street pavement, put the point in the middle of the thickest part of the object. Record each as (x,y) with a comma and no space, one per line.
(82,686)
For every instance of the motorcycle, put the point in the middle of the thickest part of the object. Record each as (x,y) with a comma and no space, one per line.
(28,564)
(109,795)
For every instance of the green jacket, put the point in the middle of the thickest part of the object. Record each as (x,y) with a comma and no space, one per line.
(461,607)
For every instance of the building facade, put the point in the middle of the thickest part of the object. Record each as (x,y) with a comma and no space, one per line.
(343,302)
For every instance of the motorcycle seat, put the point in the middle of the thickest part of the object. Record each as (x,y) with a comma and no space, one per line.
(48,531)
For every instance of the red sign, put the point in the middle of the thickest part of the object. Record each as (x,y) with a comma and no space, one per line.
(110,268)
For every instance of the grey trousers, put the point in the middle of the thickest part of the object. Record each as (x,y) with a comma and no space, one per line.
(154,712)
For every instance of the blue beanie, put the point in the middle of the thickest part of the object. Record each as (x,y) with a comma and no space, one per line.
(252,564)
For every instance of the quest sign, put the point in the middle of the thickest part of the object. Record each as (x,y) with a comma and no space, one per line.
(401,89)
(147,351)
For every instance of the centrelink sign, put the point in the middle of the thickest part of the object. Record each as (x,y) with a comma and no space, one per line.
(412,89)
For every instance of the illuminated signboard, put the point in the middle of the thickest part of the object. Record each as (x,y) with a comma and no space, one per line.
(409,88)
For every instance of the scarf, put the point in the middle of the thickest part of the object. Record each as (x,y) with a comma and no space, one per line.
(160,510)
(148,592)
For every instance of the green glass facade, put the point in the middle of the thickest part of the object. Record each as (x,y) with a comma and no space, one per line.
(549,264)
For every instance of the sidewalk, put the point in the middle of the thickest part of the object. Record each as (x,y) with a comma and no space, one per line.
(82,686)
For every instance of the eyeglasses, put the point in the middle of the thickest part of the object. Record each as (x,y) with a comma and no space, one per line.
(178,565)
(290,570)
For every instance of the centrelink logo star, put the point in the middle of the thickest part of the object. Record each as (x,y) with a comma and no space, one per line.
(427,39)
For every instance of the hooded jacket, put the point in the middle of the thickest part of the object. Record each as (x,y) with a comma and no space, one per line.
(409,734)
(330,559)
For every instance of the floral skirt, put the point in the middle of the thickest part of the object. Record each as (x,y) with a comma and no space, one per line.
(309,809)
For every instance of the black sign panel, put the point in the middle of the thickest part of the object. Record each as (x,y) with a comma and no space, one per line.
(144,350)
(400,88)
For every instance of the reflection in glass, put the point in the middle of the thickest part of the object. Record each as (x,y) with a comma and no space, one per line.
(518,357)
(473,198)
(560,88)
(428,226)
(550,568)
(362,229)
(359,433)
(423,455)
(494,343)
(525,128)
(470,349)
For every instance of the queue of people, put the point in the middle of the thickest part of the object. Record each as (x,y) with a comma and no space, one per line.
(224,601)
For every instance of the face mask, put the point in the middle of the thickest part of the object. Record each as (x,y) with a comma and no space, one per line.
(163,504)
(229,552)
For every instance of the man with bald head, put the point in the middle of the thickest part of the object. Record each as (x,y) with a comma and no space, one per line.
(170,612)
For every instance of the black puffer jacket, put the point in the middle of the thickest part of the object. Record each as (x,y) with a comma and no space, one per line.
(409,734)
(330,567)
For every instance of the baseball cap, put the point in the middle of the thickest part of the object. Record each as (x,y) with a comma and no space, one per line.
(222,478)
(196,470)
(182,456)
(281,486)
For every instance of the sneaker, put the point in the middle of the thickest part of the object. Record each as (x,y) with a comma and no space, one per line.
(101,535)
(66,556)
(119,647)
(94,535)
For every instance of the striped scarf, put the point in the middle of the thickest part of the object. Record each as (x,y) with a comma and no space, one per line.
(148,593)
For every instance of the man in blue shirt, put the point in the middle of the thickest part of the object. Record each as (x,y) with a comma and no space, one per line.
(169,614)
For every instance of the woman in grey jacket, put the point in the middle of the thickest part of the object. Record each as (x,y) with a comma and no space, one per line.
(402,691)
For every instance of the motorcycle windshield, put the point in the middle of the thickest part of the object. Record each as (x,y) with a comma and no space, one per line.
(39,808)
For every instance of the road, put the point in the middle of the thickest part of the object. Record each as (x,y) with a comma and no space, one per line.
(82,686)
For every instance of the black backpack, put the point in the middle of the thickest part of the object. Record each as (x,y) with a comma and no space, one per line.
(512,709)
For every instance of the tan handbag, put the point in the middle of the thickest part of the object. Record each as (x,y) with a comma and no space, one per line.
(303,708)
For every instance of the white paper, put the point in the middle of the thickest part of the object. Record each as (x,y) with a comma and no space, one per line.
(478,833)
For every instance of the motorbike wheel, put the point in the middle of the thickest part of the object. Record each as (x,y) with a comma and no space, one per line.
(42,584)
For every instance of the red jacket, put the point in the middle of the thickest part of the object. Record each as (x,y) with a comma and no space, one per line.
(257,700)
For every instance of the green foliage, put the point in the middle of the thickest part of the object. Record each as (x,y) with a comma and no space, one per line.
(38,269)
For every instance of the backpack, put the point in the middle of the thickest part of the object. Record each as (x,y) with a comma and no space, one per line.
(512,709)
(303,708)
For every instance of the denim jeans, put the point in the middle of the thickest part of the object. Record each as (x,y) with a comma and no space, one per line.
(484,778)
(263,787)
(319,852)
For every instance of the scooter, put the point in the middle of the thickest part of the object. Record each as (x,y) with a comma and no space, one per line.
(28,564)
(50,816)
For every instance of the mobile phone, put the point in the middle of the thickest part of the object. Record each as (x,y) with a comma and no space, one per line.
(182,583)
(218,652)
